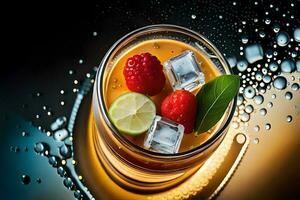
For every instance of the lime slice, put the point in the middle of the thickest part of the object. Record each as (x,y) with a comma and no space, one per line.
(132,113)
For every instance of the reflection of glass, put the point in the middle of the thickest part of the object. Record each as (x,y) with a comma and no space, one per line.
(129,165)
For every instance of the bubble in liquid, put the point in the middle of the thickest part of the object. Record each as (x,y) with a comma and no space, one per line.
(273,66)
(263,111)
(287,65)
(242,65)
(297,34)
(25,179)
(267,126)
(298,65)
(249,92)
(289,118)
(256,128)
(254,52)
(258,99)
(280,83)
(282,39)
(288,95)
(256,140)
(295,86)
(245,117)
(249,109)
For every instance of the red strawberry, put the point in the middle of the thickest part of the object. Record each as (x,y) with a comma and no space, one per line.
(181,107)
(144,74)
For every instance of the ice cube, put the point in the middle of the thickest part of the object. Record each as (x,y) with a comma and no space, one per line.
(164,136)
(183,71)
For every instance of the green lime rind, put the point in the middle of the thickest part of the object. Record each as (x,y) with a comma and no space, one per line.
(132,113)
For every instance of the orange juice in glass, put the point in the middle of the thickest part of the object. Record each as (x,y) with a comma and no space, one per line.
(137,171)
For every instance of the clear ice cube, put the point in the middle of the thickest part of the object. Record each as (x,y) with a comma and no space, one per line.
(183,71)
(164,136)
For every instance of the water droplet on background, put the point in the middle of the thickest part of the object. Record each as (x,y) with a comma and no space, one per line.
(263,111)
(288,95)
(267,126)
(280,82)
(256,141)
(282,39)
(249,109)
(259,99)
(289,118)
(295,86)
(242,65)
(297,34)
(287,66)
(25,179)
(249,92)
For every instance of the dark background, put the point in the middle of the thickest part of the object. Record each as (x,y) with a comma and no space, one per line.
(44,40)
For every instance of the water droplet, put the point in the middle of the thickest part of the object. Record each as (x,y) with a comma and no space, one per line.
(39,181)
(61,171)
(77,194)
(295,86)
(61,134)
(276,28)
(40,147)
(269,53)
(71,72)
(245,117)
(258,76)
(235,125)
(62,103)
(280,83)
(267,78)
(270,105)
(62,91)
(254,52)
(287,66)
(80,61)
(25,179)
(267,126)
(273,96)
(249,109)
(68,183)
(65,151)
(289,118)
(297,34)
(193,16)
(273,66)
(242,65)
(232,61)
(95,33)
(259,99)
(256,140)
(263,111)
(240,100)
(53,161)
(288,95)
(298,65)
(60,122)
(249,92)
(25,134)
(282,39)
(256,128)
(262,34)
(244,38)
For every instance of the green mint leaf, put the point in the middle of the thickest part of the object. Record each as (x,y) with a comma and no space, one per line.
(213,100)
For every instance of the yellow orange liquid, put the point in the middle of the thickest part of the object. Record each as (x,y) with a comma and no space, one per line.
(163,49)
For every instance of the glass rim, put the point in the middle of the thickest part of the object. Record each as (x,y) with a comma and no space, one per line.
(122,139)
